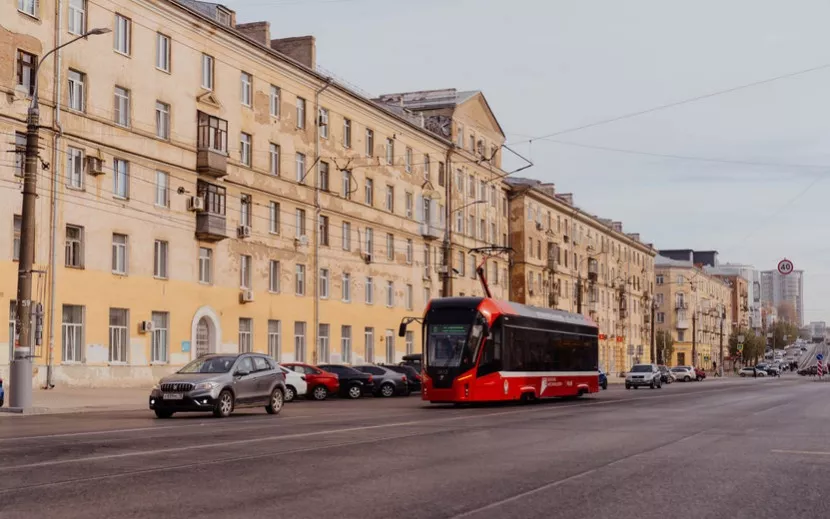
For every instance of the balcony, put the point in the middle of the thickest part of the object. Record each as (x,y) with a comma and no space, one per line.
(682,324)
(430,232)
(211,162)
(210,226)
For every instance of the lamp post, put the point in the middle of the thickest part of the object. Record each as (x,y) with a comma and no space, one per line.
(21,368)
(653,344)
(446,247)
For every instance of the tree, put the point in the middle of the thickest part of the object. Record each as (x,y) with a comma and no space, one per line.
(786,312)
(753,346)
(664,344)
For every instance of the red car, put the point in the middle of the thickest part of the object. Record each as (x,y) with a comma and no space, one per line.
(700,374)
(320,383)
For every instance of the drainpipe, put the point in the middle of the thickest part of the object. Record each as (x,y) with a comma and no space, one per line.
(53,196)
(316,233)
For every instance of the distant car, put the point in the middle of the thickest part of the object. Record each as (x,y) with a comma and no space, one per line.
(683,373)
(773,371)
(220,384)
(2,393)
(699,374)
(295,384)
(666,376)
(603,379)
(413,360)
(643,375)
(353,383)
(413,376)
(387,382)
(750,371)
(320,383)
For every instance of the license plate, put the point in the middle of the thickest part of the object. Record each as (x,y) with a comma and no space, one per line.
(173,396)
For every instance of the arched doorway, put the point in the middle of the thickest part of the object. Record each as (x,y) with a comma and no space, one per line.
(205,332)
(204,341)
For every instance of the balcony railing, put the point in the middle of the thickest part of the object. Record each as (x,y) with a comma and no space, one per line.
(210,226)
(430,232)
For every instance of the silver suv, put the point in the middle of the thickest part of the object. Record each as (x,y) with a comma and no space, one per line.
(220,384)
(643,375)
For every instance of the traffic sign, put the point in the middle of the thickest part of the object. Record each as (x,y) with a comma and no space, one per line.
(740,347)
(819,357)
(785,267)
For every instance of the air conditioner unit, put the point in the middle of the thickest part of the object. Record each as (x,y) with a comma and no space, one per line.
(246,296)
(441,269)
(302,240)
(530,291)
(94,166)
(426,275)
(539,226)
(196,204)
(243,231)
(145,326)
(367,258)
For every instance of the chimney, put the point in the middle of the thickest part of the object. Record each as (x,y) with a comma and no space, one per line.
(259,31)
(568,198)
(617,226)
(548,189)
(634,236)
(301,49)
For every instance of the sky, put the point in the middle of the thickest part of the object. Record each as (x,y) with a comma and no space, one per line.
(743,171)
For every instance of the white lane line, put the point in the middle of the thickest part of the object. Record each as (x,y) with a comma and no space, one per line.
(808,453)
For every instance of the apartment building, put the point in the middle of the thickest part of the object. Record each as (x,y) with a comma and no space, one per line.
(558,247)
(205,189)
(692,305)
(779,289)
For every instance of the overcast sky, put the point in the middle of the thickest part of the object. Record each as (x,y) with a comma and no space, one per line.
(551,65)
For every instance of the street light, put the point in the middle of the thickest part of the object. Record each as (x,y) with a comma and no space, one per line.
(21,368)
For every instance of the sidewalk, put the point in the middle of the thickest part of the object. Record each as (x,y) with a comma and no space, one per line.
(80,400)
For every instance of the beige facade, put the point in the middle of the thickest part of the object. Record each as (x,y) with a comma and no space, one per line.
(692,305)
(558,246)
(213,192)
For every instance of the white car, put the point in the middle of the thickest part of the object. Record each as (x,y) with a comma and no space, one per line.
(684,373)
(750,371)
(295,384)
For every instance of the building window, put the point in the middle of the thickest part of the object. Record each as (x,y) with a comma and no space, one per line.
(121,178)
(299,280)
(409,247)
(245,265)
(323,342)
(390,346)
(441,174)
(459,181)
(410,342)
(471,227)
(160,340)
(409,297)
(274,104)
(346,343)
(246,83)
(472,266)
(461,263)
(122,106)
(323,181)
(323,123)
(681,336)
(346,288)
(300,113)
(390,199)
(207,72)
(299,161)
(324,284)
(426,166)
(76,90)
(72,333)
(661,317)
(300,223)
(459,222)
(369,192)
(370,242)
(162,189)
(118,335)
(162,120)
(274,276)
(245,149)
(162,52)
(213,133)
(408,160)
(390,152)
(346,237)
(274,218)
(274,159)
(28,6)
(370,289)
(390,246)
(370,142)
(347,133)
(123,28)
(426,295)
(408,205)
(299,341)
(205,265)
(119,254)
(77,16)
(275,339)
(246,329)
(369,343)
(323,234)
(658,279)
(74,168)
(74,246)
(160,259)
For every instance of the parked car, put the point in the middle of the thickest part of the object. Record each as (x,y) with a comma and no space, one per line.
(808,371)
(387,382)
(773,370)
(413,360)
(750,371)
(321,383)
(353,383)
(295,384)
(699,374)
(643,375)
(2,393)
(220,384)
(684,373)
(413,375)
(666,376)
(603,379)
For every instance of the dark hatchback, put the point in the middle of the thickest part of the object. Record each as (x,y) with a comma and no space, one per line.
(413,375)
(387,382)
(353,383)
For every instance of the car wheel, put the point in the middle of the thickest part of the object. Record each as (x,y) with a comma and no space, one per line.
(635,387)
(160,413)
(387,390)
(743,375)
(687,378)
(628,386)
(224,404)
(355,392)
(652,385)
(320,393)
(290,393)
(605,385)
(275,404)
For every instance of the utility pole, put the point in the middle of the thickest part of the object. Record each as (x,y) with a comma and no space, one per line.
(722,317)
(579,294)
(653,347)
(21,367)
(694,338)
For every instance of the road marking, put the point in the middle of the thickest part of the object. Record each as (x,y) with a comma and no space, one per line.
(808,453)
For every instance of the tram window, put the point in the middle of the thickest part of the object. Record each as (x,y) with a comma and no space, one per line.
(543,350)
(491,355)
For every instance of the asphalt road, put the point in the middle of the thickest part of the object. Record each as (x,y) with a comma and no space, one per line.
(720,448)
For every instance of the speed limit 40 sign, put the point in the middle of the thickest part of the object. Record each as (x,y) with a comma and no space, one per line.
(785,267)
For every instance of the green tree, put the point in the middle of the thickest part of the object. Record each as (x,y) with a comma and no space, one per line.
(753,346)
(664,344)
